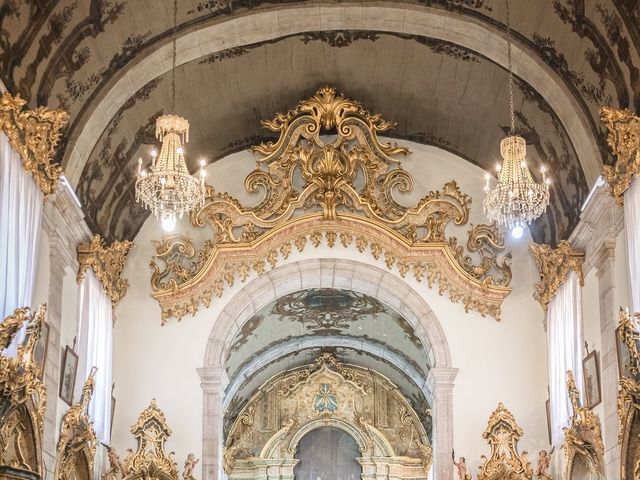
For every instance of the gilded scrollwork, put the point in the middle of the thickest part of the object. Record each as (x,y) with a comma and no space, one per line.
(343,191)
(624,140)
(554,264)
(34,135)
(583,437)
(22,397)
(630,337)
(504,462)
(107,262)
(76,449)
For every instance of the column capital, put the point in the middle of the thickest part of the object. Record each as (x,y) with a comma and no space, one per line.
(213,379)
(441,378)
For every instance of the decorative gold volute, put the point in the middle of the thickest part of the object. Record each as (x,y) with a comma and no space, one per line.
(76,449)
(630,337)
(554,264)
(150,461)
(583,437)
(624,140)
(345,189)
(107,262)
(502,434)
(34,135)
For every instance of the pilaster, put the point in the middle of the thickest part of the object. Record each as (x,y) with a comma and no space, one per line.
(440,382)
(213,382)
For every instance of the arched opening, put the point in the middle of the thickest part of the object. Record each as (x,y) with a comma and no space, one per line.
(327,453)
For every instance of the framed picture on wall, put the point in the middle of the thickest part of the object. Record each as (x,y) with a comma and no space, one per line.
(624,359)
(591,374)
(547,405)
(68,375)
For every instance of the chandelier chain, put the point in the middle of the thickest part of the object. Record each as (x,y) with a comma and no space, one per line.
(173,58)
(510,66)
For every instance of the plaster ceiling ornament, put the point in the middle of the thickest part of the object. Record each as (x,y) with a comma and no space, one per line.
(168,189)
(517,199)
(23,398)
(505,462)
(583,437)
(340,192)
(107,262)
(554,264)
(76,449)
(624,140)
(327,393)
(34,135)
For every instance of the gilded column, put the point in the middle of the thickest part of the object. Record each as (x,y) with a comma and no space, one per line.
(213,382)
(440,382)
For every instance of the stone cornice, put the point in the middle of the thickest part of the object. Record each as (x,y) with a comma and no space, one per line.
(554,264)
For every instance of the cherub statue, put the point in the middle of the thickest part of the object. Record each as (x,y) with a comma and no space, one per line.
(461,466)
(127,462)
(542,469)
(115,465)
(189,466)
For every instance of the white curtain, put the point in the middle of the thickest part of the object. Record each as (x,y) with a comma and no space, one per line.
(632,233)
(20,217)
(96,347)
(564,330)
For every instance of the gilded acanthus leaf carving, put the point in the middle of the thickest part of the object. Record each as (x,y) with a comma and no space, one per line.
(583,437)
(502,434)
(624,140)
(630,337)
(76,448)
(34,135)
(554,264)
(107,262)
(346,189)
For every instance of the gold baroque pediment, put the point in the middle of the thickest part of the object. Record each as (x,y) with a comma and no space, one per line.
(340,189)
(554,264)
(34,135)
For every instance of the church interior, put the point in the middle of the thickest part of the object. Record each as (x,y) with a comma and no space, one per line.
(319,240)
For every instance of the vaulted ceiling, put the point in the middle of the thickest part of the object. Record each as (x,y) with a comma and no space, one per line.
(436,67)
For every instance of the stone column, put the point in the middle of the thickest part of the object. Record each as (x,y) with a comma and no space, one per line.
(440,382)
(213,382)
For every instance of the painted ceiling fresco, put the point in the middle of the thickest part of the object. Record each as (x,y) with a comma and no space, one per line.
(359,329)
(68,53)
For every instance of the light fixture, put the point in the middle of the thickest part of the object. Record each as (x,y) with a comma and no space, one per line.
(517,199)
(168,189)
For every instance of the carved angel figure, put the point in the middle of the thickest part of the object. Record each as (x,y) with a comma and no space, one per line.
(115,465)
(542,469)
(189,466)
(461,467)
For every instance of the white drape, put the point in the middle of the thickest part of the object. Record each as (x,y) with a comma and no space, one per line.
(20,217)
(632,233)
(96,348)
(564,331)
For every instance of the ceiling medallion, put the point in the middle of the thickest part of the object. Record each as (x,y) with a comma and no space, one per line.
(517,199)
(168,189)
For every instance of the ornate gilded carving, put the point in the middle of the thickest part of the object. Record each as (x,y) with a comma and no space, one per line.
(583,437)
(629,335)
(22,398)
(150,462)
(327,393)
(343,190)
(554,264)
(107,262)
(624,140)
(34,135)
(76,448)
(505,462)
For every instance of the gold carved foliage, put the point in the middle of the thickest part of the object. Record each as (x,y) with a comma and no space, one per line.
(107,262)
(583,437)
(76,449)
(554,264)
(22,395)
(344,192)
(504,462)
(624,140)
(34,135)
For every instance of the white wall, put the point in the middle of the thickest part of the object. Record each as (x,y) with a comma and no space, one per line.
(498,361)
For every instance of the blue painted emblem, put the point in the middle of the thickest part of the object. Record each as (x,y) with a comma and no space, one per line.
(325,400)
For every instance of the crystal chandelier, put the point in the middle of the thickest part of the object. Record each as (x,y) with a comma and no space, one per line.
(167,189)
(517,199)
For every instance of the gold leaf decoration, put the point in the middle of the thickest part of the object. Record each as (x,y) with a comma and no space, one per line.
(344,189)
(624,140)
(34,135)
(502,434)
(107,262)
(554,264)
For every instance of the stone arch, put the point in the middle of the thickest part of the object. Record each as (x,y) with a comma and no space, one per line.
(279,21)
(326,273)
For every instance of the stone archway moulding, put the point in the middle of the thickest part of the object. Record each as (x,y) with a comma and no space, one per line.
(324,273)
(279,21)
